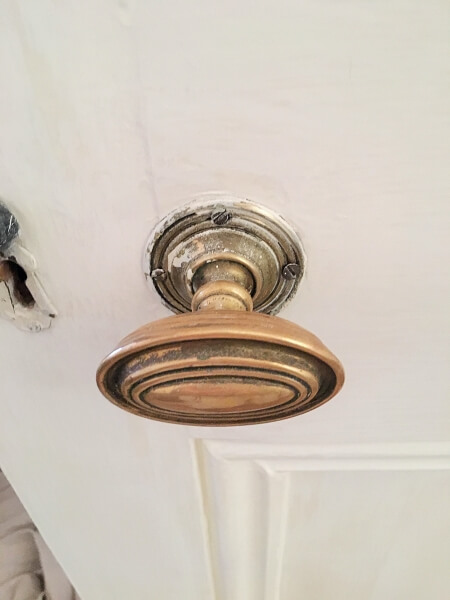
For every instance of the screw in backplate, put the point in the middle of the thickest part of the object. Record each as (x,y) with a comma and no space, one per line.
(220,216)
(158,274)
(291,271)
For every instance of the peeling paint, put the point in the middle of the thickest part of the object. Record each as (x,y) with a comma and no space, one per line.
(24,302)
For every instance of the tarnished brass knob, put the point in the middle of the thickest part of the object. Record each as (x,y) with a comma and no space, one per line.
(221,364)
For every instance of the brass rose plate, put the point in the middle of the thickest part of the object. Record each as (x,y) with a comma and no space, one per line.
(225,363)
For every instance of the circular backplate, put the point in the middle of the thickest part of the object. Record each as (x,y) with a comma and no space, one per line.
(220,368)
(222,227)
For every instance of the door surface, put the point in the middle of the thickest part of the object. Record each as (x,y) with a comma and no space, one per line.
(113,113)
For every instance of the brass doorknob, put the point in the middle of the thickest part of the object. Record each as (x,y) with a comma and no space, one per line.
(222,363)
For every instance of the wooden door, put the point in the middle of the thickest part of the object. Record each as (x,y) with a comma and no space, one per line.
(112,113)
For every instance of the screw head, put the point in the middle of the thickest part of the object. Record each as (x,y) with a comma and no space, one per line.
(220,216)
(291,271)
(158,274)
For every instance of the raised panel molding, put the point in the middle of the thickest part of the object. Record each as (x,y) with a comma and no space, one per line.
(247,490)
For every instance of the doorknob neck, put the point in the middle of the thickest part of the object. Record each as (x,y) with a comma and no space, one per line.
(222,285)
(222,295)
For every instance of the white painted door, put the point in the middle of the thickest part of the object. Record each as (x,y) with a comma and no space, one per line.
(112,113)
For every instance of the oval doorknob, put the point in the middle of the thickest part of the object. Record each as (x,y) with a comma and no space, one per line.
(221,364)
